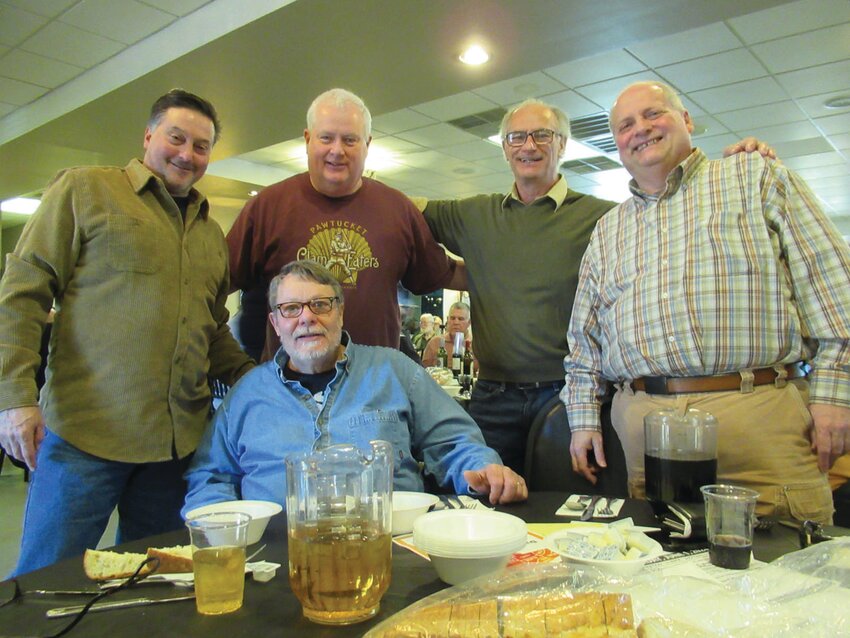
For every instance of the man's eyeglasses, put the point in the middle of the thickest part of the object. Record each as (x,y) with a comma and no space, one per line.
(318,306)
(540,136)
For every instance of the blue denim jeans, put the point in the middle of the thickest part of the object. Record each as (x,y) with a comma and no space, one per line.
(504,412)
(72,494)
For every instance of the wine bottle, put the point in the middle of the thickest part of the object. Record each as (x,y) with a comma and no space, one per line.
(442,355)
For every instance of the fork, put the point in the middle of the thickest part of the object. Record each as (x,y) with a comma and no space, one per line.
(605,510)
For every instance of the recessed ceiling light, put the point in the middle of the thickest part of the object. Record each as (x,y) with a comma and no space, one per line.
(839,102)
(253,193)
(474,55)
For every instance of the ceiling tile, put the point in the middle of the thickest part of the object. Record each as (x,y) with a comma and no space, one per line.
(495,164)
(612,64)
(437,135)
(818,79)
(127,21)
(454,106)
(397,145)
(17,25)
(824,171)
(604,93)
(705,126)
(571,103)
(472,151)
(841,141)
(713,70)
(801,148)
(491,183)
(814,160)
(19,93)
(740,95)
(275,153)
(762,115)
(509,92)
(836,124)
(69,44)
(686,45)
(802,130)
(789,19)
(47,8)
(177,7)
(6,108)
(29,67)
(401,120)
(713,146)
(808,49)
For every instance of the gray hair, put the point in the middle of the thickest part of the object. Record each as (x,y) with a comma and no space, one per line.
(670,96)
(340,98)
(563,119)
(308,270)
(460,305)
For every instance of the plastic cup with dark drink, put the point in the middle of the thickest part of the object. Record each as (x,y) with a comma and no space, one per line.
(730,514)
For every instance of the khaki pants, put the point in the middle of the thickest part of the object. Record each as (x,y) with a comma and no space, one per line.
(762,443)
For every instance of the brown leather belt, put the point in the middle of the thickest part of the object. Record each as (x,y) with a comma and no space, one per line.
(716,383)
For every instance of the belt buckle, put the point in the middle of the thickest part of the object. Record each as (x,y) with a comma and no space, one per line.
(655,385)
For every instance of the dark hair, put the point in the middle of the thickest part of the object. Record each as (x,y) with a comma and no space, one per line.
(178,98)
(308,270)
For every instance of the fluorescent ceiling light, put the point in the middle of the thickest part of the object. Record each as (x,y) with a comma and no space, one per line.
(19,205)
(474,55)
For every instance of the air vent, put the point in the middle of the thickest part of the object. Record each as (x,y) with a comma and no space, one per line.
(482,124)
(593,130)
(590,165)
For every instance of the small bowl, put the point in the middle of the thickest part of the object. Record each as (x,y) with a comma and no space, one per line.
(259,511)
(465,544)
(616,567)
(407,507)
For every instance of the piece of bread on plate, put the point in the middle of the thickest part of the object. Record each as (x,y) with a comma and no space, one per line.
(106,565)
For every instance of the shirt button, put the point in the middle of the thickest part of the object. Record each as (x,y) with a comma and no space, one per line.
(664,295)
(184,320)
(671,339)
(663,262)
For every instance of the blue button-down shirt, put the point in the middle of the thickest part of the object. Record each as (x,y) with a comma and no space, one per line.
(376,393)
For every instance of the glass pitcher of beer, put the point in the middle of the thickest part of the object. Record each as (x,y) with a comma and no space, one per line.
(339,521)
(680,454)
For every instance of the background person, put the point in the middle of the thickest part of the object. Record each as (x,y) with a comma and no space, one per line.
(425,332)
(323,389)
(458,321)
(368,234)
(705,290)
(138,272)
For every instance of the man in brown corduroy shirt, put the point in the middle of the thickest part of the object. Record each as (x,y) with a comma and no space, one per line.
(138,272)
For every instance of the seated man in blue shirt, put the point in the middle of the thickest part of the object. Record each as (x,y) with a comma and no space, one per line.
(322,389)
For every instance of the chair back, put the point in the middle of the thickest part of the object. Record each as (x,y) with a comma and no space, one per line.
(547,456)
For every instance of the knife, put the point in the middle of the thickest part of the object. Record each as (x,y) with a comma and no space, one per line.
(61,612)
(587,514)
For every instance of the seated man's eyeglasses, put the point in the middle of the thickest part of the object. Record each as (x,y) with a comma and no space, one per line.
(540,136)
(318,306)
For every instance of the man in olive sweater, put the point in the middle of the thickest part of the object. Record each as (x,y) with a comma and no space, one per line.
(138,273)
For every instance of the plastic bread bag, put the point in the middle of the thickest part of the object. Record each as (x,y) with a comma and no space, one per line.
(563,599)
(534,600)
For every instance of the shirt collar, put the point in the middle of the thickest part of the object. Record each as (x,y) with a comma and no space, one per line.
(141,177)
(682,174)
(558,193)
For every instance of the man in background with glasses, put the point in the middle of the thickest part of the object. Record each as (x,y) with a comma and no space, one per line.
(138,273)
(323,389)
(522,253)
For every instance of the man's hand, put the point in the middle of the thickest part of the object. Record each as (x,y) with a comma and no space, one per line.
(831,435)
(581,442)
(503,484)
(21,433)
(750,145)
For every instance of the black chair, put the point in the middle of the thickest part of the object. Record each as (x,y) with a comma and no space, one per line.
(547,455)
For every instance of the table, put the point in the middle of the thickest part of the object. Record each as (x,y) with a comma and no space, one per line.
(270,609)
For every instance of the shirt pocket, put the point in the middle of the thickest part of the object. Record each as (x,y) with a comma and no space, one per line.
(384,425)
(131,245)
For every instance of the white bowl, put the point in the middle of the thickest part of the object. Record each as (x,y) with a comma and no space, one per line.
(259,511)
(407,507)
(465,544)
(616,567)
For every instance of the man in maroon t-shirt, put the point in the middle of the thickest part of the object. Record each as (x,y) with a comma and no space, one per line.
(369,235)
